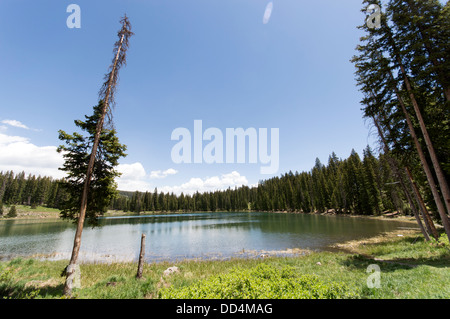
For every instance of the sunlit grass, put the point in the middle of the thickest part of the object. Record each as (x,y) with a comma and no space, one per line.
(409,268)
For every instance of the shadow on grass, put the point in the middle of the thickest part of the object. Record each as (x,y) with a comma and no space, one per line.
(406,253)
(363,261)
(20,291)
(52,291)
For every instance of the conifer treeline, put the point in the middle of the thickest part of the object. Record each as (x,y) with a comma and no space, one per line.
(22,189)
(347,186)
(358,186)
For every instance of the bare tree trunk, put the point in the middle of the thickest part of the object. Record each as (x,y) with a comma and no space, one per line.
(430,178)
(408,197)
(141,258)
(77,242)
(399,177)
(428,221)
(437,166)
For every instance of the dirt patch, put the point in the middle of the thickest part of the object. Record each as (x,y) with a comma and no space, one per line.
(267,253)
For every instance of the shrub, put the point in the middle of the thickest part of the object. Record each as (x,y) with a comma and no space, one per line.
(12,212)
(260,282)
(9,286)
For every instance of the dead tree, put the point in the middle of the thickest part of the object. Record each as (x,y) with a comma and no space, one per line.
(107,95)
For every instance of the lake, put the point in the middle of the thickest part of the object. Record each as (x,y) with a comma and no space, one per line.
(181,236)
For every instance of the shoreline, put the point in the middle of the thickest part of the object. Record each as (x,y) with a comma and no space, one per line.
(419,262)
(244,254)
(346,247)
(42,215)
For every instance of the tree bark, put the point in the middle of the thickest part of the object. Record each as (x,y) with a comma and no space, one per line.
(430,178)
(428,221)
(410,200)
(396,172)
(426,216)
(437,166)
(141,258)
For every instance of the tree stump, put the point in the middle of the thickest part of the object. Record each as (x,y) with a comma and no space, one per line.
(141,258)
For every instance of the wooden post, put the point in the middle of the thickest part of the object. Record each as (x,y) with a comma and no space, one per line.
(141,258)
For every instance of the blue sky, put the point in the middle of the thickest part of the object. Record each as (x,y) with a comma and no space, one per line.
(215,61)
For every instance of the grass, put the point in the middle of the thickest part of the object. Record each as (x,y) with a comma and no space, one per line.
(410,268)
(26,212)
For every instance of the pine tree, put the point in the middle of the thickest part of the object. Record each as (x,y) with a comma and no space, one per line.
(102,113)
(155,200)
(76,154)
(12,212)
(10,195)
(424,33)
(102,186)
(374,198)
(20,187)
(30,189)
(394,77)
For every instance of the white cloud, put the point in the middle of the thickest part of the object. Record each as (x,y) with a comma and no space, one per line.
(163,174)
(18,154)
(131,171)
(133,185)
(208,184)
(268,12)
(15,124)
(132,178)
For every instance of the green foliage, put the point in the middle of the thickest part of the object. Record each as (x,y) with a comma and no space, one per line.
(76,152)
(442,241)
(348,185)
(12,212)
(6,280)
(260,282)
(351,185)
(406,60)
(412,269)
(8,286)
(30,190)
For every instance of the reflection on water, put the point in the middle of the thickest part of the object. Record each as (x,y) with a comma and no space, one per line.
(180,236)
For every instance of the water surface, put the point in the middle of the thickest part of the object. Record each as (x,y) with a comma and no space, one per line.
(180,236)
